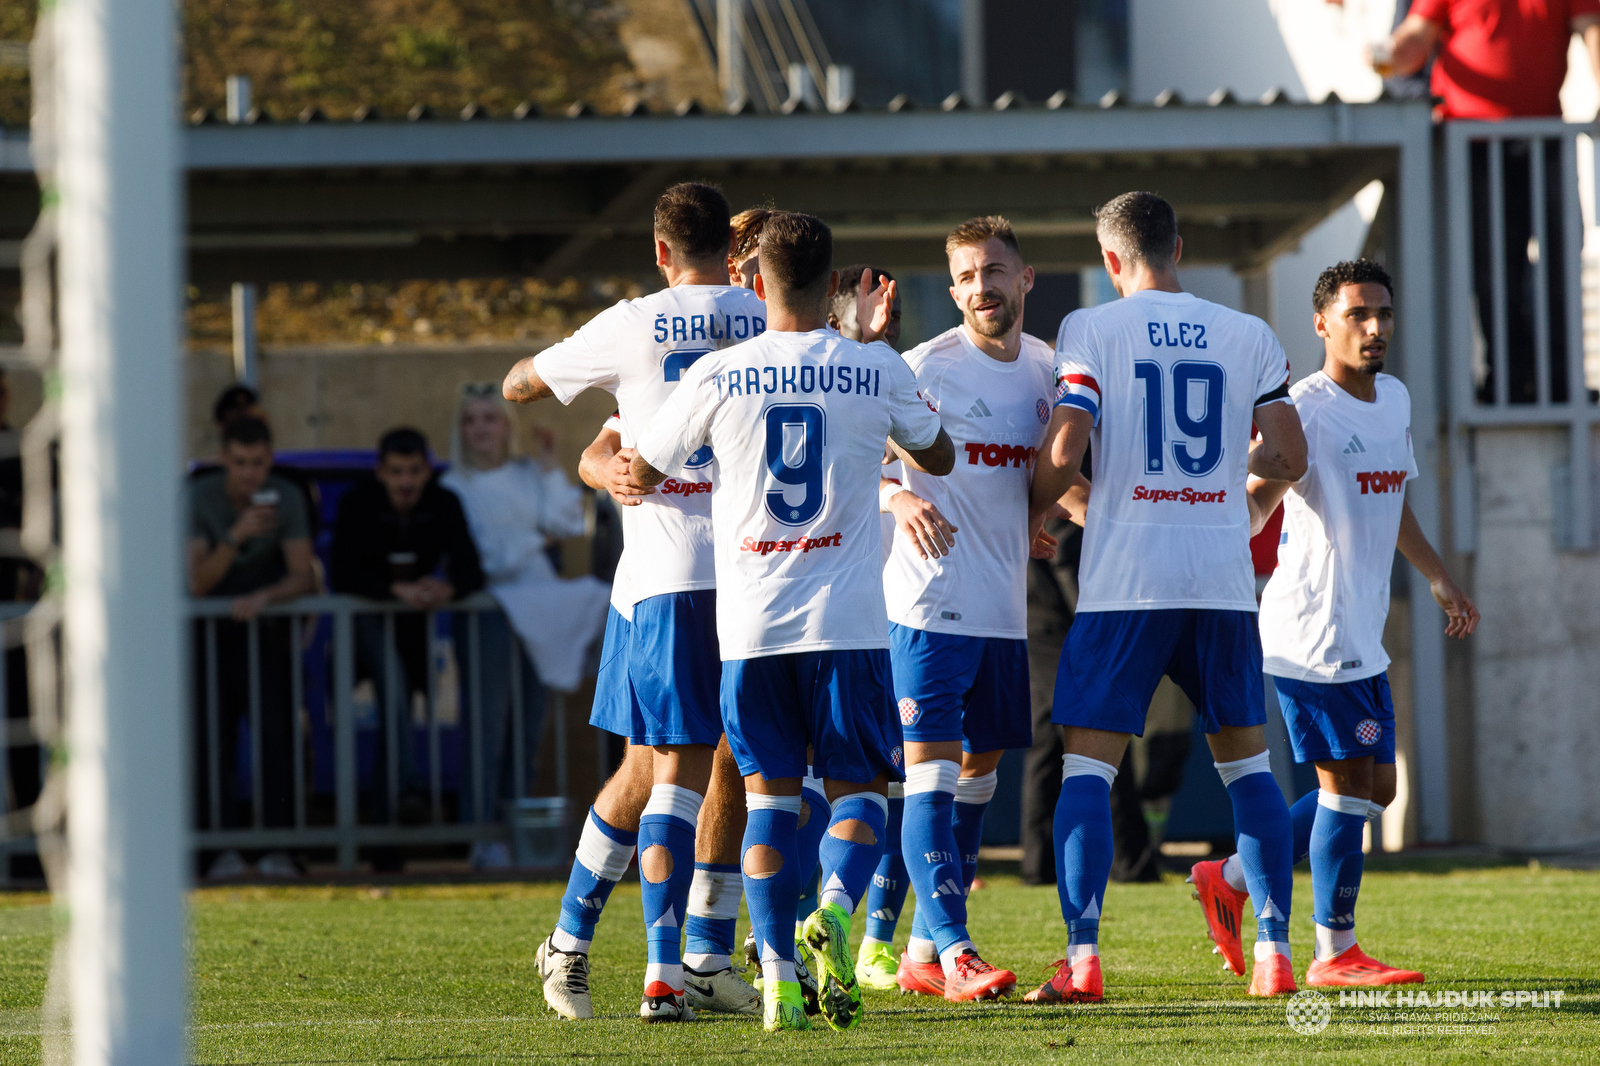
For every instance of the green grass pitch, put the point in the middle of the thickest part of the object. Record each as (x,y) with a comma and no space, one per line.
(444,974)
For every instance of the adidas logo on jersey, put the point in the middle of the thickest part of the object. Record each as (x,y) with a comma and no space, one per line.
(980,410)
(1355,447)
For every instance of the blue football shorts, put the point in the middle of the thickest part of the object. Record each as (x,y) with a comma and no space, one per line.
(659,673)
(838,702)
(1338,719)
(1113,660)
(972,689)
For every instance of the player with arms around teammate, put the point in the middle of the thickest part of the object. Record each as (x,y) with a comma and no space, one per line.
(958,633)
(658,673)
(1323,611)
(798,418)
(1166,385)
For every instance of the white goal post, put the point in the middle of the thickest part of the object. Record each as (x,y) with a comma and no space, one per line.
(119,267)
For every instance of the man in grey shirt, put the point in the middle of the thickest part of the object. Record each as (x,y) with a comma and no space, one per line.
(249,538)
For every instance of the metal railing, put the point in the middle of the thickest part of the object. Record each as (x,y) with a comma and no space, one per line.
(327,736)
(1513,244)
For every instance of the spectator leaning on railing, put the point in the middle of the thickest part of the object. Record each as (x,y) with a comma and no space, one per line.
(400,535)
(1501,59)
(248,539)
(1497,58)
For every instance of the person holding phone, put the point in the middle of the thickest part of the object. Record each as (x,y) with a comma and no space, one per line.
(249,539)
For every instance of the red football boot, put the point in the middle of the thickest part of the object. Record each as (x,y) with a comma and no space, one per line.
(972,978)
(1071,984)
(1273,976)
(1354,968)
(1224,909)
(920,978)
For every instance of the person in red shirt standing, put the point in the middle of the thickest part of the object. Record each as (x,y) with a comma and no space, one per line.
(1497,58)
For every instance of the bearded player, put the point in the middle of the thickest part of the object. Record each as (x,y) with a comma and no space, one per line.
(958,633)
(1323,612)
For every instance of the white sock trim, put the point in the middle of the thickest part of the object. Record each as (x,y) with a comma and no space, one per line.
(882,802)
(1233,771)
(1343,804)
(1083,766)
(601,855)
(935,775)
(1233,873)
(812,784)
(978,789)
(1331,942)
(675,801)
(920,950)
(755,801)
(897,790)
(1374,810)
(715,894)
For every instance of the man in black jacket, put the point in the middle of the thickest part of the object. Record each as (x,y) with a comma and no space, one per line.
(401,536)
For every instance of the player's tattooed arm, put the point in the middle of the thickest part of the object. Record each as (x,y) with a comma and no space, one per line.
(608,466)
(1458,607)
(938,458)
(929,531)
(1281,453)
(524,385)
(644,473)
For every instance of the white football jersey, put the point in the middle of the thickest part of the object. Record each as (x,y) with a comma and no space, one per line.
(997,414)
(1323,611)
(797,422)
(1173,382)
(638,351)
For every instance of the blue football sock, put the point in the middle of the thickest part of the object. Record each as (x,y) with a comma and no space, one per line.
(603,855)
(668,823)
(846,864)
(1265,841)
(1301,817)
(1083,849)
(810,838)
(1336,863)
(713,913)
(933,858)
(973,795)
(887,896)
(773,823)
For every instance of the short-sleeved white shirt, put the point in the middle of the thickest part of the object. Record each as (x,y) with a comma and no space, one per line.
(638,351)
(1323,610)
(1173,382)
(797,422)
(997,414)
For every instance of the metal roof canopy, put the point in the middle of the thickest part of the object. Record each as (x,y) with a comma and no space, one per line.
(553,196)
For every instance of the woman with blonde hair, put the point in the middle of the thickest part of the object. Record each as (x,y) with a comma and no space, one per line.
(515,506)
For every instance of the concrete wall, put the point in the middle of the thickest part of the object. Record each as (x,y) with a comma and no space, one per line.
(1536,673)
